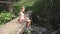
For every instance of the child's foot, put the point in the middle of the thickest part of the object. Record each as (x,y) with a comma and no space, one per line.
(30,29)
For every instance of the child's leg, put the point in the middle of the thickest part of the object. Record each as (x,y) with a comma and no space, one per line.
(29,23)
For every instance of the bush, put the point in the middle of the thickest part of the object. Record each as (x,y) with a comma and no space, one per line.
(6,16)
(16,10)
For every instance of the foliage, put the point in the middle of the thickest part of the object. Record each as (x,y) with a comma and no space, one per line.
(26,3)
(6,16)
(16,10)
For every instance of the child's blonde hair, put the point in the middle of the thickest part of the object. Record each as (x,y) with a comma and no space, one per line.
(22,7)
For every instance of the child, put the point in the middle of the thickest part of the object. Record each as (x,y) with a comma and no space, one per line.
(22,14)
(23,18)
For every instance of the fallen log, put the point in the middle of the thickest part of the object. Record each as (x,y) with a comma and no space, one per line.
(12,27)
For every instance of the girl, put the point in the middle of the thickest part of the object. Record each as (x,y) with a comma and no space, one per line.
(23,18)
(22,14)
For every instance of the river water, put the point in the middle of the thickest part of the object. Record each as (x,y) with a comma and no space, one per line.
(38,30)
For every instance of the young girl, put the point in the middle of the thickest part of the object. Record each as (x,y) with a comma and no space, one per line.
(23,18)
(22,14)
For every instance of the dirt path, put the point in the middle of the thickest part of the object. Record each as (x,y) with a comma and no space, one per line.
(11,27)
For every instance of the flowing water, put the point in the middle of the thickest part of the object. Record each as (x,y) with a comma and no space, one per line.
(37,30)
